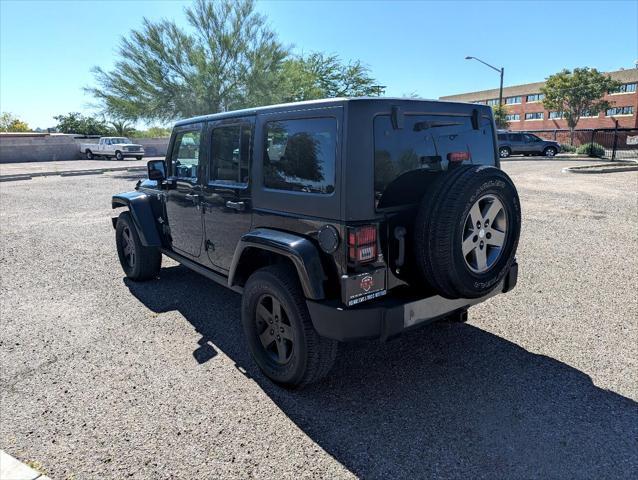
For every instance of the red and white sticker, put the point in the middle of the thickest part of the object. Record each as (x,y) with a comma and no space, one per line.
(367,283)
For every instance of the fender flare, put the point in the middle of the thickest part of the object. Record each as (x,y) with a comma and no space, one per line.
(299,250)
(139,204)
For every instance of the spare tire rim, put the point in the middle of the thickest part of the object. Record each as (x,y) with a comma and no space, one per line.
(274,329)
(484,233)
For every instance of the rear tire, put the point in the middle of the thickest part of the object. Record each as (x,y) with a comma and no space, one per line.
(504,152)
(279,331)
(138,158)
(89,155)
(457,256)
(138,262)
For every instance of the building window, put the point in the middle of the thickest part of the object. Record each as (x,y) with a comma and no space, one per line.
(626,88)
(513,117)
(619,111)
(588,114)
(299,155)
(492,101)
(556,115)
(513,100)
(536,97)
(534,116)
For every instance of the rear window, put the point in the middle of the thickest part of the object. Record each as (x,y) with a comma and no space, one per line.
(502,137)
(424,142)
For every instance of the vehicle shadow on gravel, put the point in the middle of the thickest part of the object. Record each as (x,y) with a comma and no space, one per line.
(447,400)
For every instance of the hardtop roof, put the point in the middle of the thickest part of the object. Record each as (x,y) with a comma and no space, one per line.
(325,102)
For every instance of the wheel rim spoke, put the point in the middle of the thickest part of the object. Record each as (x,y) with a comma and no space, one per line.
(276,309)
(475,215)
(497,238)
(281,351)
(469,244)
(266,338)
(494,209)
(264,314)
(481,258)
(285,331)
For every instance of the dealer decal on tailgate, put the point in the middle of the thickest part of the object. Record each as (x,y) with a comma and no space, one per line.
(363,287)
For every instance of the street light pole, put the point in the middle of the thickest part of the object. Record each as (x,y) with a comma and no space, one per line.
(499,70)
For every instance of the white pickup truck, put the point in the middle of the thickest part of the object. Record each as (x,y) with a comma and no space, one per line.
(118,147)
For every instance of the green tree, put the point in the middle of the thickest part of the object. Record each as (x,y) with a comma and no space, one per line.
(152,132)
(11,123)
(122,128)
(75,122)
(576,93)
(318,75)
(228,59)
(500,116)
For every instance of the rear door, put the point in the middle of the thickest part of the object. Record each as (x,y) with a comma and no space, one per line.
(516,142)
(226,194)
(183,203)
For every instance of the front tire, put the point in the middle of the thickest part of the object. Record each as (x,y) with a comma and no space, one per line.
(279,331)
(138,262)
(118,155)
(549,152)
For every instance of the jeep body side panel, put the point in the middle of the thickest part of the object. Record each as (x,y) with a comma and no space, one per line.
(294,202)
(301,251)
(141,207)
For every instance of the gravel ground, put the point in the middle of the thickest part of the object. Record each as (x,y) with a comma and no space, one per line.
(104,378)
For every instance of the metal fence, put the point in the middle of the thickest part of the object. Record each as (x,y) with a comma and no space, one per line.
(607,143)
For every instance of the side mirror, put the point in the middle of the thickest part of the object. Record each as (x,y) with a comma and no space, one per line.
(156,170)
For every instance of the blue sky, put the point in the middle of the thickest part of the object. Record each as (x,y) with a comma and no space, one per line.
(47,48)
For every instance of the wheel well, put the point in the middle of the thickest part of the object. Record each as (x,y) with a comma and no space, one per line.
(252,259)
(87,150)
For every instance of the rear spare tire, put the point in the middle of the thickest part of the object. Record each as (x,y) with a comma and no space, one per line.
(467,231)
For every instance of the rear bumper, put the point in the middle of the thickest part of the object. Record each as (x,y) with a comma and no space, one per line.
(387,317)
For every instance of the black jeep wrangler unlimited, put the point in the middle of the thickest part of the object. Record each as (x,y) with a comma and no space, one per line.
(336,219)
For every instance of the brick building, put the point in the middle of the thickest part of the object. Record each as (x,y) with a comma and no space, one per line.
(526,111)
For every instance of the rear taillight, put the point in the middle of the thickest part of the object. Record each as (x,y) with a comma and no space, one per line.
(362,244)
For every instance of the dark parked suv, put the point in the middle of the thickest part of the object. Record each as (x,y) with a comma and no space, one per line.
(336,220)
(510,143)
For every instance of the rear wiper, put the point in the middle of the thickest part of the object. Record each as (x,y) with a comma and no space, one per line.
(426,124)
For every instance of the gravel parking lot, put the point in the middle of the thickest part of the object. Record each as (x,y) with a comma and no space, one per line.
(105,378)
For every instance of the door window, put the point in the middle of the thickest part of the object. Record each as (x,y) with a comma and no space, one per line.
(516,137)
(300,155)
(185,155)
(230,153)
(531,138)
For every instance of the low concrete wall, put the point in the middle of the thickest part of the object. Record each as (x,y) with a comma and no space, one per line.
(45,148)
(38,149)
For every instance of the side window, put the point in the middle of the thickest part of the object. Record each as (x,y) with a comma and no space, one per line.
(516,137)
(502,137)
(299,155)
(230,153)
(185,155)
